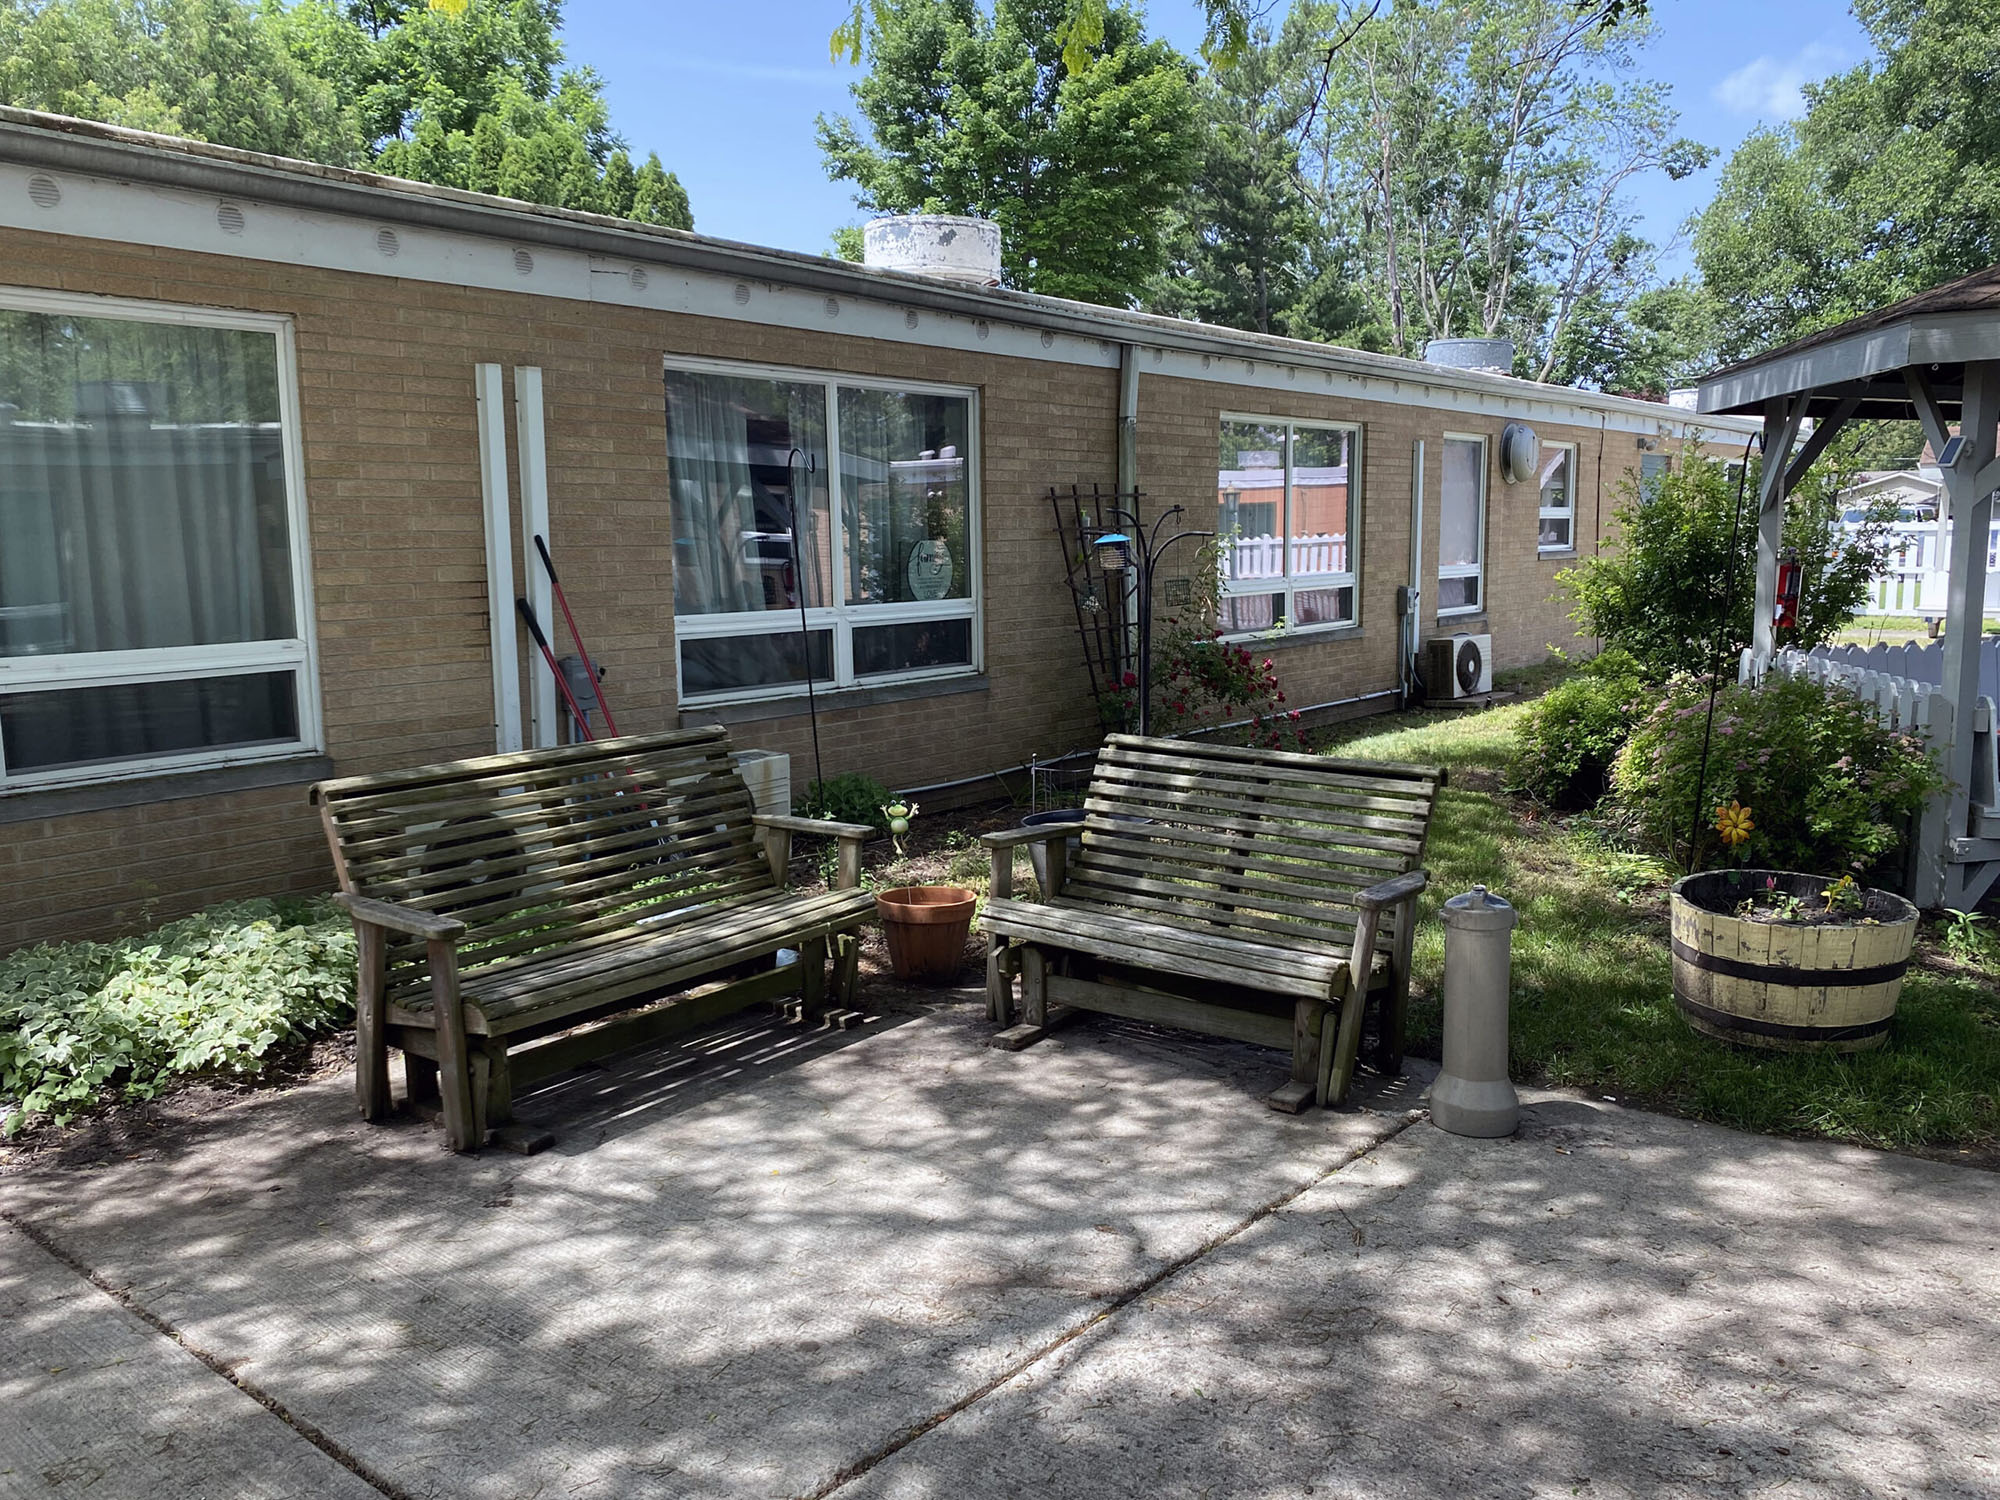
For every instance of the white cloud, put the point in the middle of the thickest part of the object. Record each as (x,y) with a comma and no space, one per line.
(1769,87)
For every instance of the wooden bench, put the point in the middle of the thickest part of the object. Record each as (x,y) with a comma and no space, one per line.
(506,900)
(1254,894)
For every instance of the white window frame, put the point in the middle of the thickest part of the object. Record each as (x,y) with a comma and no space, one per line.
(1467,570)
(842,618)
(298,654)
(1289,584)
(1556,513)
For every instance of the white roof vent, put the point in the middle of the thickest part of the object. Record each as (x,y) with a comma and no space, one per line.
(953,247)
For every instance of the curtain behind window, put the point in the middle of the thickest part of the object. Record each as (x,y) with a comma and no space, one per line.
(732,471)
(142,489)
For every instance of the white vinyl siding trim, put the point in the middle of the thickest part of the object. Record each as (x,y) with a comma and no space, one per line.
(842,618)
(297,654)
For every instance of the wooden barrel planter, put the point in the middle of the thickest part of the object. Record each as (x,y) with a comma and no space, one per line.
(1786,985)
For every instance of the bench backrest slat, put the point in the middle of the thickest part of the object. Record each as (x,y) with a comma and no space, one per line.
(1261,845)
(550,848)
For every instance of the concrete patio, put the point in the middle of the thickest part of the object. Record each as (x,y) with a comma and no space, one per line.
(896,1263)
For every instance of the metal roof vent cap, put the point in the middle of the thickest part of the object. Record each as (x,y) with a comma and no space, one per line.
(1493,356)
(952,247)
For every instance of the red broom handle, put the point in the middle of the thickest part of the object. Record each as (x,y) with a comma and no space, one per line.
(581,650)
(535,629)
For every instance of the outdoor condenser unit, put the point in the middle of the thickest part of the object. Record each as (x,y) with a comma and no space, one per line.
(1458,666)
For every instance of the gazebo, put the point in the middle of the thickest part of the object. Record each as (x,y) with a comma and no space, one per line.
(1934,358)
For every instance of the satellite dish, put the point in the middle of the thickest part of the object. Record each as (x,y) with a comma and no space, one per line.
(1520,452)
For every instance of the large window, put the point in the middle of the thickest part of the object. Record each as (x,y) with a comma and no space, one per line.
(862,571)
(1285,524)
(1557,515)
(152,582)
(1462,527)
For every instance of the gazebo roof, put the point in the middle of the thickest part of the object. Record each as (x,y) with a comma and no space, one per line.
(1864,358)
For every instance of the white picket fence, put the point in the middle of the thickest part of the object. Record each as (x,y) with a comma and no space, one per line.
(1915,579)
(1919,662)
(1264,556)
(1905,686)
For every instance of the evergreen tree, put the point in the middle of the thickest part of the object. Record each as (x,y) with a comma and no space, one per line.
(1244,254)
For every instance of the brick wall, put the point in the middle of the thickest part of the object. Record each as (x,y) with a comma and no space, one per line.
(398,571)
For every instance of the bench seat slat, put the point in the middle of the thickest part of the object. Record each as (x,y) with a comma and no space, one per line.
(536,930)
(568,982)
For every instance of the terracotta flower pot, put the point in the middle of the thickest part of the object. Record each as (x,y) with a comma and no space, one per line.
(927,926)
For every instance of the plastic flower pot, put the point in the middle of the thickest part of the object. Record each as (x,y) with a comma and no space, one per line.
(926,926)
(1824,982)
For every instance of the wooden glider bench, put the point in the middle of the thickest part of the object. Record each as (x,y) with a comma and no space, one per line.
(1253,894)
(504,900)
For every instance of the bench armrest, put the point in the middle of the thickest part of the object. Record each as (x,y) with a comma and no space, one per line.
(778,829)
(424,924)
(1008,838)
(824,826)
(1393,892)
(1001,847)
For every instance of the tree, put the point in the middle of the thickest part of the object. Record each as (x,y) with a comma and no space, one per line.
(1479,155)
(1081,27)
(468,93)
(1644,346)
(209,69)
(475,94)
(974,113)
(1659,591)
(1243,256)
(1885,187)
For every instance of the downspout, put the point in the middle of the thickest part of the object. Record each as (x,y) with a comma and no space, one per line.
(1128,418)
(1128,479)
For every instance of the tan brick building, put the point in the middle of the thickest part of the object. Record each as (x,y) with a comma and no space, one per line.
(272,437)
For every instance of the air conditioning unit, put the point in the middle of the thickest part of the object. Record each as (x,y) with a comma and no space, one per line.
(1458,666)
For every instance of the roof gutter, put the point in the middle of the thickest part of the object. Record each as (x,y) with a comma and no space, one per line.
(89,148)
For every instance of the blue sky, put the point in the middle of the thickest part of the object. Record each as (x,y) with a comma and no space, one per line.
(727,90)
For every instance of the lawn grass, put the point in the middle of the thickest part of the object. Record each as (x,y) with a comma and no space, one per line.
(1593,999)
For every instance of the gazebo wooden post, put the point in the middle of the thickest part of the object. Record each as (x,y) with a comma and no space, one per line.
(1781,429)
(1969,485)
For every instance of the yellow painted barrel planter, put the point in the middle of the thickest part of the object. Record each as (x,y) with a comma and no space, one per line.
(1783,985)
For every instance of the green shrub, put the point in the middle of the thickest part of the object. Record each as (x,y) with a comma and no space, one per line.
(210,993)
(1659,588)
(1829,790)
(847,798)
(1570,736)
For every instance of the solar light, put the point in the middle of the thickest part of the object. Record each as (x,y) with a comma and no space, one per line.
(1954,446)
(1114,552)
